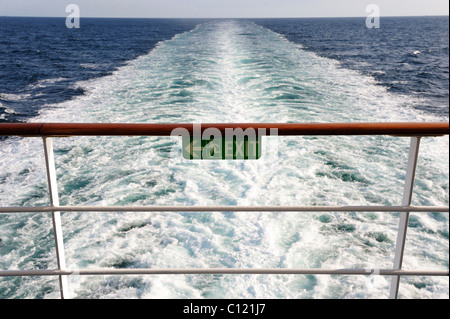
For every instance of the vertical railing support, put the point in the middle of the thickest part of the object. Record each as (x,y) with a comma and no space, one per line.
(56,216)
(404,216)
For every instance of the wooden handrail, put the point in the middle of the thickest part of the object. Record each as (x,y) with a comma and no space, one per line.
(123,129)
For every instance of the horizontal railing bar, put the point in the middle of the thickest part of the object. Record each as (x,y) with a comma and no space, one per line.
(224,271)
(285,129)
(49,209)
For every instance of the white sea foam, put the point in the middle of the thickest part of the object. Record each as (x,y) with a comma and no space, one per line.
(46,82)
(230,71)
(13,97)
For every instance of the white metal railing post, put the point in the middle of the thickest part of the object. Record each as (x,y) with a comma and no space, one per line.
(404,216)
(56,215)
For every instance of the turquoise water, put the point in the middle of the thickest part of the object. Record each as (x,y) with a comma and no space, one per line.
(227,71)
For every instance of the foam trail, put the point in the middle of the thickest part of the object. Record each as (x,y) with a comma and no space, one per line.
(229,71)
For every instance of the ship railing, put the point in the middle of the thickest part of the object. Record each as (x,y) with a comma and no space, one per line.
(48,131)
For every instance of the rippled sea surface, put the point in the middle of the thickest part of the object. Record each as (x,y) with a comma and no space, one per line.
(224,71)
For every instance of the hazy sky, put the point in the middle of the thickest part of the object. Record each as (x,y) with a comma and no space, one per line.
(222,8)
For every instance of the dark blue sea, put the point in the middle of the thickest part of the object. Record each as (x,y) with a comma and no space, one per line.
(42,60)
(224,71)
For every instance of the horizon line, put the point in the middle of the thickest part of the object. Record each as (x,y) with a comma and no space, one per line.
(305,17)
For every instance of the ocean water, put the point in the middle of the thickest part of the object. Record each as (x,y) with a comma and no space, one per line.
(233,70)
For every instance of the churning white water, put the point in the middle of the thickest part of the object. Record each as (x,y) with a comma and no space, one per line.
(227,71)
